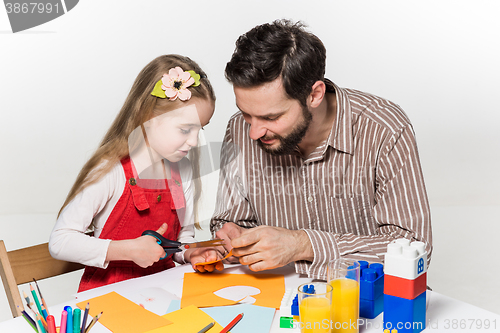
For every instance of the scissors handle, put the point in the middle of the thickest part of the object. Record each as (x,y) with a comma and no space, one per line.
(168,245)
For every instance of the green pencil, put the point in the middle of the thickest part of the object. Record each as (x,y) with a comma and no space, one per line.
(37,302)
(42,299)
(77,313)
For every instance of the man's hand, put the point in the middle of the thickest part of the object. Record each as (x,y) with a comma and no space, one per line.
(227,233)
(266,247)
(204,255)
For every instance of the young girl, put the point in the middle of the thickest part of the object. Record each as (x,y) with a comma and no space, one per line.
(138,179)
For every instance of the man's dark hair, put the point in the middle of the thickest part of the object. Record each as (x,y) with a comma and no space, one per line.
(281,48)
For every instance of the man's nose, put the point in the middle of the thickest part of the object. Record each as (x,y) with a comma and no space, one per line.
(257,129)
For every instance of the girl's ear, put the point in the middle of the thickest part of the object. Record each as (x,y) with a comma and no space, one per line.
(317,94)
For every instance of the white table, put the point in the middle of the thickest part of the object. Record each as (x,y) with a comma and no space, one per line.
(444,314)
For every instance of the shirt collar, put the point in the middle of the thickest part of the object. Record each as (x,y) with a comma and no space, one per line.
(340,136)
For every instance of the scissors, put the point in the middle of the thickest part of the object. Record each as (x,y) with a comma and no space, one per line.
(171,246)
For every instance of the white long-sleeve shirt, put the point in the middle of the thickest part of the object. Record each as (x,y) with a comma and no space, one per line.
(95,203)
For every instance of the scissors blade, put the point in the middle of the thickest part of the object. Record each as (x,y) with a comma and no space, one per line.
(210,243)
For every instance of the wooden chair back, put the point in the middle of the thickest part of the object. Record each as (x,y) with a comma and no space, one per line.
(21,266)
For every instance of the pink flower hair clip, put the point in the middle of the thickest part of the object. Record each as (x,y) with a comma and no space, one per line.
(175,84)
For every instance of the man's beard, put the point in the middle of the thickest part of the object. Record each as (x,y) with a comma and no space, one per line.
(289,142)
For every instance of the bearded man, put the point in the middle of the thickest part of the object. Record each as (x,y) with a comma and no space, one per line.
(312,172)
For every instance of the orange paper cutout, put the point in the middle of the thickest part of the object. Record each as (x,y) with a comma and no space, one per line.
(188,319)
(122,315)
(198,289)
(213,262)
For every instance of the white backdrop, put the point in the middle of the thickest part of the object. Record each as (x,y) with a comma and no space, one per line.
(62,83)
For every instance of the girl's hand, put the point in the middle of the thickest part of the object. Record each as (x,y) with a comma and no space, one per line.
(204,255)
(144,250)
(147,251)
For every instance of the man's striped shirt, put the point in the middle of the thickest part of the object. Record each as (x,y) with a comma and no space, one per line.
(357,191)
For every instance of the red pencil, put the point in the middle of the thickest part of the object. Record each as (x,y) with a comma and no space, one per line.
(232,323)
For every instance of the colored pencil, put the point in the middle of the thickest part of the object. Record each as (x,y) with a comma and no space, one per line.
(28,301)
(38,327)
(44,312)
(51,323)
(64,318)
(33,309)
(69,319)
(39,319)
(44,322)
(35,298)
(26,314)
(206,328)
(26,297)
(31,324)
(41,297)
(77,314)
(92,323)
(85,315)
(232,323)
(28,319)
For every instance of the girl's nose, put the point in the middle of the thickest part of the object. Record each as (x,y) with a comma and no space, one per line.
(192,139)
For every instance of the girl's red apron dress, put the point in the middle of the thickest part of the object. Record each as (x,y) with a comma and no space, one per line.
(144,205)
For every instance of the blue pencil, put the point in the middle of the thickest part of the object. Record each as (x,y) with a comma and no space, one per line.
(44,312)
(69,320)
(85,315)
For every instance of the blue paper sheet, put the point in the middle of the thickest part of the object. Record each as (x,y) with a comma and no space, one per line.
(255,318)
(174,306)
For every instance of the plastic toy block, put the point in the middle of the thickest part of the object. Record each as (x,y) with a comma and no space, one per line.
(363,264)
(404,288)
(290,302)
(370,309)
(407,316)
(295,306)
(405,261)
(371,282)
(286,303)
(309,289)
(286,322)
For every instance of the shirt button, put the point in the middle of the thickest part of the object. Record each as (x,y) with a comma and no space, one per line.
(132,181)
(310,199)
(158,198)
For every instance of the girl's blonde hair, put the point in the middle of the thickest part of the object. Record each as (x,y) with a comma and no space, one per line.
(139,107)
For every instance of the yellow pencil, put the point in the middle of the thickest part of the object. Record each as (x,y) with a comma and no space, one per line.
(92,323)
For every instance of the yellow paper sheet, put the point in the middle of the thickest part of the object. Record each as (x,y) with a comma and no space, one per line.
(187,320)
(122,315)
(198,289)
